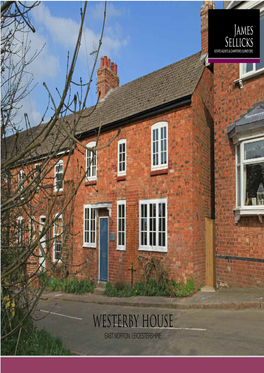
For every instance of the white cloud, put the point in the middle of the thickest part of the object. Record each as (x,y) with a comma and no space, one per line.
(97,11)
(65,31)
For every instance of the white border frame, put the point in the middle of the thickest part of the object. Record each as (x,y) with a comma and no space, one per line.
(91,144)
(148,247)
(85,244)
(158,126)
(120,247)
(99,251)
(121,173)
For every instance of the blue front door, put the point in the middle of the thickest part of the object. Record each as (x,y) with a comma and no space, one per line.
(103,271)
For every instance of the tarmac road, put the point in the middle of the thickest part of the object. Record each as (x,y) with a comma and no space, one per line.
(193,332)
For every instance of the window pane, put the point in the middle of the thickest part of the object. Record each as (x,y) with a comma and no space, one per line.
(254,184)
(247,67)
(238,187)
(261,64)
(254,150)
(238,154)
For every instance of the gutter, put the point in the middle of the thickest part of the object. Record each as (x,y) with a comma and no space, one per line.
(186,100)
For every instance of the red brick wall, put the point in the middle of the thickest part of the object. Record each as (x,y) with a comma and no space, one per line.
(245,239)
(203,171)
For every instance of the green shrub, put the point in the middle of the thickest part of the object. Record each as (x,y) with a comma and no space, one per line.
(31,341)
(169,288)
(71,285)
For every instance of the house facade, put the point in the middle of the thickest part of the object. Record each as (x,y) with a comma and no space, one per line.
(176,162)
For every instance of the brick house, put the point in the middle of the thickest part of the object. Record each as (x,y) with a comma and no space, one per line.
(239,170)
(173,165)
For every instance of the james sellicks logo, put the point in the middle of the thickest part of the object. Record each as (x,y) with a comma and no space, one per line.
(133,321)
(233,35)
(238,42)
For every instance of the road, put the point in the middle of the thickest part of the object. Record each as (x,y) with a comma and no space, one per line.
(193,332)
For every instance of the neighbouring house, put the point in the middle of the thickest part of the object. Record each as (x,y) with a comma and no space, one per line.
(178,161)
(239,166)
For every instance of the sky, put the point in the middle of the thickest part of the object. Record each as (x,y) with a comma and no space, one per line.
(140,37)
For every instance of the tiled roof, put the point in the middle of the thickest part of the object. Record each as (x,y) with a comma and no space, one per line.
(160,87)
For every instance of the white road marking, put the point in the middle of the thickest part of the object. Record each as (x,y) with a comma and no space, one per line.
(141,327)
(60,314)
(58,295)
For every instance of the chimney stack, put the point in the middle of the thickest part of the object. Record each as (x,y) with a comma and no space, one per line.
(204,24)
(107,77)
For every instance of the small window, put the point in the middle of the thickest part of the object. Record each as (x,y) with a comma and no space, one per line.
(57,238)
(247,69)
(121,157)
(89,227)
(21,180)
(58,176)
(37,175)
(91,162)
(32,229)
(159,146)
(153,225)
(121,225)
(250,174)
(20,231)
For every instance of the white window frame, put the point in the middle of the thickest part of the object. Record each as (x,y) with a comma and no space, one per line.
(91,144)
(54,238)
(21,238)
(121,173)
(21,180)
(37,173)
(242,209)
(158,126)
(147,247)
(60,162)
(121,203)
(89,243)
(31,225)
(253,72)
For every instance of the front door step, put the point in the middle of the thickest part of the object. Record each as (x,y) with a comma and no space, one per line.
(100,288)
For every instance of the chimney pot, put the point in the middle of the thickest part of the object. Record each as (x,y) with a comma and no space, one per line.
(102,62)
(105,61)
(115,69)
(109,62)
(112,66)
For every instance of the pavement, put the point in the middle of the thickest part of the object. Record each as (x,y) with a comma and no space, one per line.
(226,298)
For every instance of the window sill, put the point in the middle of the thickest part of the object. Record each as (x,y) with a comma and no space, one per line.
(249,76)
(259,212)
(163,171)
(60,192)
(90,182)
(121,249)
(89,246)
(154,249)
(121,178)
